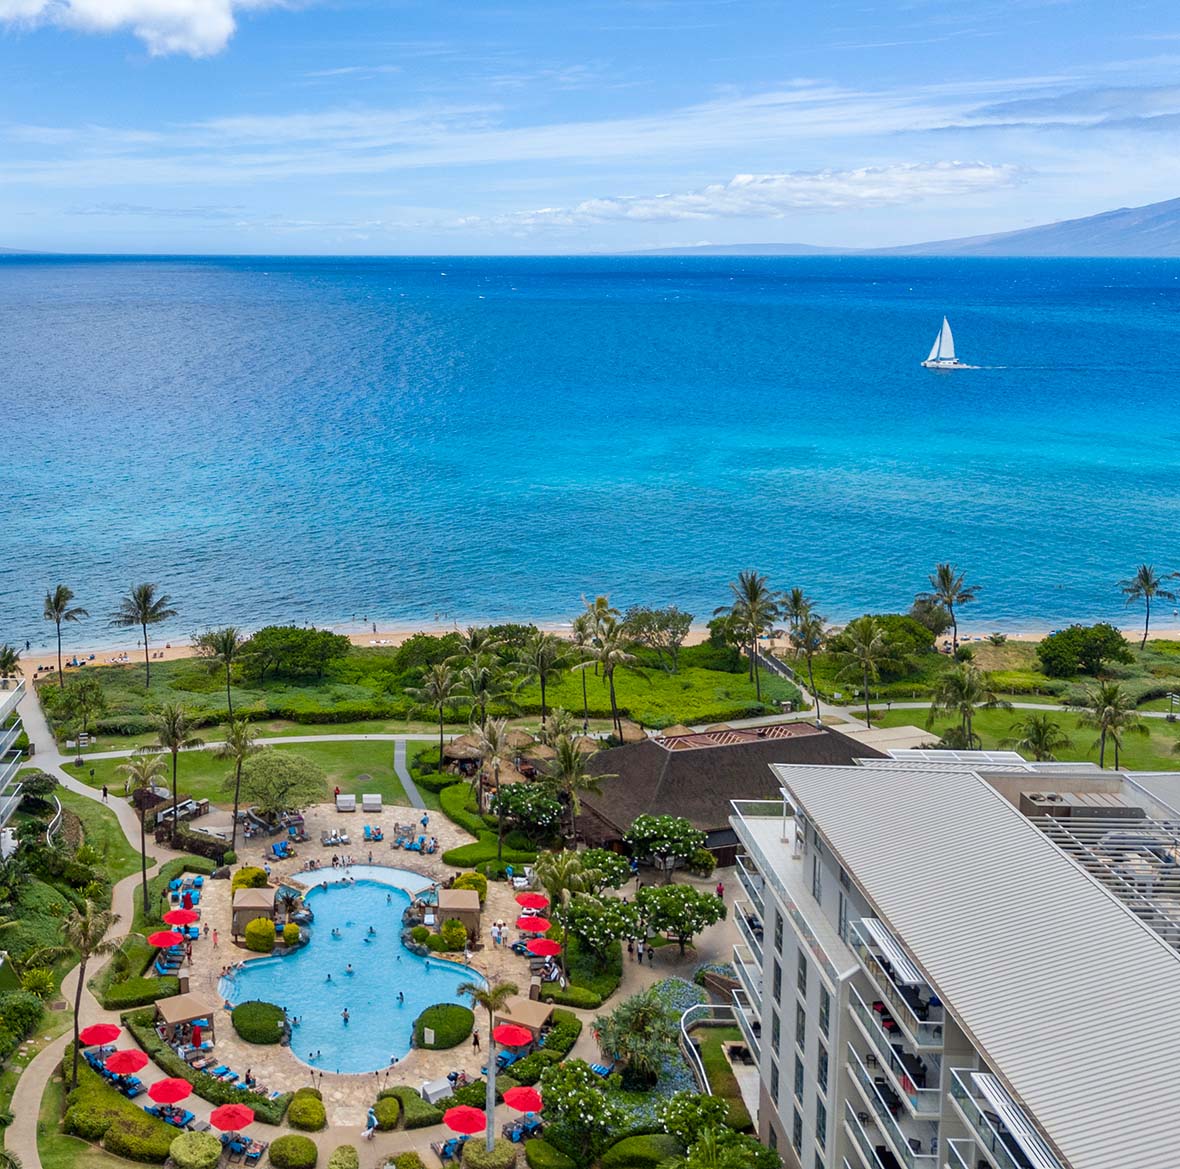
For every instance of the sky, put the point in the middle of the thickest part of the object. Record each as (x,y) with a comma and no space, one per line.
(390,127)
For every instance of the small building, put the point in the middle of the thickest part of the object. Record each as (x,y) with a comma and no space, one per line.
(522,1012)
(250,904)
(462,904)
(192,1009)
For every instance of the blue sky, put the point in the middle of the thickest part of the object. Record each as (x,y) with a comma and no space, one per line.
(379,126)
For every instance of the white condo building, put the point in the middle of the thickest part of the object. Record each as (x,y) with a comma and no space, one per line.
(11,759)
(963,961)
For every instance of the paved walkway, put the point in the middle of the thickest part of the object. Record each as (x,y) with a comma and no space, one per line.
(403,773)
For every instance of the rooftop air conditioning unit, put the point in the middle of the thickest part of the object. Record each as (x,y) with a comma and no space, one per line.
(1044,804)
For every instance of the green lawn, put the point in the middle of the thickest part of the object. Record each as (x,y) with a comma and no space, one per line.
(101,830)
(721,1078)
(56,1150)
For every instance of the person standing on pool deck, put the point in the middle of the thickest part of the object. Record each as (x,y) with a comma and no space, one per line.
(475,1039)
(425,821)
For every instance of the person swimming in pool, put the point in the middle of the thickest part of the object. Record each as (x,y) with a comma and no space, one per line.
(401,999)
(328,979)
(348,969)
(344,1016)
(372,932)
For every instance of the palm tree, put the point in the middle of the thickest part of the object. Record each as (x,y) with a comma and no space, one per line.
(493,997)
(1145,586)
(1038,735)
(583,639)
(866,649)
(174,734)
(561,723)
(482,682)
(948,588)
(542,658)
(807,639)
(1108,709)
(494,749)
(962,690)
(794,606)
(608,654)
(58,609)
(239,745)
(9,660)
(567,772)
(563,875)
(437,693)
(711,1151)
(753,611)
(85,932)
(222,647)
(142,771)
(142,607)
(599,611)
(475,643)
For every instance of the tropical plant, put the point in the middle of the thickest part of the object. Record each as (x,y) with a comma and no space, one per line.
(931,614)
(1038,735)
(437,693)
(1145,586)
(607,870)
(531,806)
(718,1147)
(687,1114)
(1085,648)
(562,875)
(141,607)
(679,910)
(561,724)
(541,658)
(282,781)
(581,1118)
(599,922)
(476,643)
(962,690)
(174,733)
(1107,708)
(494,750)
(666,839)
(807,638)
(222,647)
(83,699)
(794,605)
(752,612)
(582,628)
(607,654)
(640,1031)
(866,649)
(57,609)
(9,660)
(238,746)
(948,588)
(661,630)
(142,771)
(492,997)
(567,772)
(85,932)
(484,682)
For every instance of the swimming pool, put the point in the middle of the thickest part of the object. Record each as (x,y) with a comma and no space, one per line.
(315,986)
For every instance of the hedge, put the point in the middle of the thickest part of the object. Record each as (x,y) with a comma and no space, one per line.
(195,1150)
(564,1032)
(388,1111)
(249,877)
(454,802)
(258,1022)
(293,1152)
(409,1160)
(502,1156)
(96,1112)
(417,1113)
(643,1152)
(260,935)
(467,856)
(572,996)
(529,1069)
(344,1157)
(138,992)
(307,1111)
(450,1022)
(434,781)
(540,1154)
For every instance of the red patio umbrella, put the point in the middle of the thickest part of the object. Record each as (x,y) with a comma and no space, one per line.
(465,1119)
(231,1117)
(163,938)
(523,1099)
(170,1091)
(181,916)
(123,1063)
(544,947)
(529,925)
(510,1035)
(532,900)
(99,1033)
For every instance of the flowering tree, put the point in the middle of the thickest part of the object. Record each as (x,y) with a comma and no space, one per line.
(580,1118)
(596,923)
(666,839)
(687,1114)
(531,807)
(679,910)
(605,869)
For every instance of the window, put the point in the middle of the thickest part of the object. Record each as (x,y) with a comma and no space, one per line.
(825,1009)
(819,1162)
(774,1081)
(801,974)
(772,1138)
(817,884)
(843,917)
(817,844)
(800,1025)
(798,1079)
(775,1031)
(821,1124)
(797,1130)
(821,1071)
(776,986)
(845,879)
(778,933)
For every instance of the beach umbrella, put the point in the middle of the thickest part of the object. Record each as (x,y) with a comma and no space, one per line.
(465,1119)
(544,947)
(164,938)
(523,1099)
(123,1063)
(510,1035)
(170,1091)
(231,1117)
(532,925)
(182,916)
(532,900)
(99,1033)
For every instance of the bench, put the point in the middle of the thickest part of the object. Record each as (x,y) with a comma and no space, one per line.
(345,803)
(371,802)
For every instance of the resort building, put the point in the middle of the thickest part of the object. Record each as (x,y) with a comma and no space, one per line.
(11,759)
(962,961)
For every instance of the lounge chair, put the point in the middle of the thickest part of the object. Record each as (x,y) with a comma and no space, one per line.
(371,802)
(345,803)
(368,833)
(601,1069)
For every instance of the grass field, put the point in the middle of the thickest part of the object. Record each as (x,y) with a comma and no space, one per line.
(721,1078)
(102,831)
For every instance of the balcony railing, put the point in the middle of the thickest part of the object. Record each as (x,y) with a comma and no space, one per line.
(923,1102)
(8,736)
(11,692)
(886,1122)
(749,974)
(752,883)
(746,919)
(925,1033)
(956,1159)
(996,1138)
(8,770)
(860,1138)
(750,1023)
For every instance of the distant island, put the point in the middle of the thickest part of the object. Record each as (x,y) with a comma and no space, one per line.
(1152,231)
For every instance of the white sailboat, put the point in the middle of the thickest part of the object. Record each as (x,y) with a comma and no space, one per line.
(942,352)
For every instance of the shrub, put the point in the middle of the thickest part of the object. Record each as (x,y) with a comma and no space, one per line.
(344,1157)
(450,1022)
(540,1154)
(469,856)
(138,992)
(529,1069)
(20,1011)
(502,1156)
(420,933)
(455,801)
(139,1137)
(258,1022)
(476,881)
(643,1152)
(409,1160)
(564,1032)
(388,1110)
(453,933)
(290,934)
(702,863)
(293,1152)
(417,1112)
(572,996)
(38,981)
(195,1150)
(96,1112)
(249,877)
(260,935)
(436,945)
(229,857)
(307,1111)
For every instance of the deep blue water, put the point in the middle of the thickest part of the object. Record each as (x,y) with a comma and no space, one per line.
(293,439)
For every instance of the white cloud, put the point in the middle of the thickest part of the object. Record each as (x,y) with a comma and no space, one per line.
(199,28)
(772,196)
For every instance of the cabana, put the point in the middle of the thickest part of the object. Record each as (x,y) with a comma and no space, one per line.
(462,904)
(174,1013)
(530,1013)
(250,904)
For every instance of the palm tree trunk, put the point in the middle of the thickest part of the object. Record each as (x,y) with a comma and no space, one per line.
(585,702)
(1116,754)
(1102,748)
(229,701)
(757,675)
(175,799)
(440,739)
(77,1008)
(868,713)
(233,832)
(814,692)
(147,660)
(542,677)
(147,906)
(1146,623)
(614,707)
(61,678)
(954,630)
(490,1098)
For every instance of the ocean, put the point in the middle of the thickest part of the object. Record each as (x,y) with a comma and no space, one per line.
(404,440)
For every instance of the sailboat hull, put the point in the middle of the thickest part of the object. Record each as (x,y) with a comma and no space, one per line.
(944,363)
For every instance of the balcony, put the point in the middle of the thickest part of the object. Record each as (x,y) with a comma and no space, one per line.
(925,1033)
(871,1158)
(753,883)
(8,736)
(11,692)
(749,975)
(750,1023)
(956,1155)
(1001,1130)
(907,1138)
(904,1071)
(749,926)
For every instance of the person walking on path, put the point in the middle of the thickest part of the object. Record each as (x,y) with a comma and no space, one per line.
(215,939)
(104,791)
(475,1039)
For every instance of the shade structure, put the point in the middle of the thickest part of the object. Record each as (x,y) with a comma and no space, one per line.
(230,1117)
(123,1063)
(544,947)
(510,1035)
(533,925)
(517,738)
(164,938)
(532,900)
(541,751)
(523,1099)
(98,1033)
(170,1091)
(181,916)
(465,1119)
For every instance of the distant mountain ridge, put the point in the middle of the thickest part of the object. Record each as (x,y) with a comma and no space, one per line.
(1151,232)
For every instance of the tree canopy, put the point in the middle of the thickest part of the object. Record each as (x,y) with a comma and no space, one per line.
(1084,649)
(282,781)
(680,911)
(291,651)
(666,839)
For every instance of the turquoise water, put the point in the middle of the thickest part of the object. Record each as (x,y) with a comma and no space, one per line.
(294,439)
(379,1029)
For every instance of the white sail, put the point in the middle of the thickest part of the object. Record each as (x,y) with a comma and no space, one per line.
(934,348)
(946,342)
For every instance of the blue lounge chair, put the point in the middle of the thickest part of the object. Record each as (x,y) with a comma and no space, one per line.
(601,1069)
(199,882)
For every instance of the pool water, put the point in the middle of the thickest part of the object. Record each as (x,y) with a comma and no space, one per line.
(379,1029)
